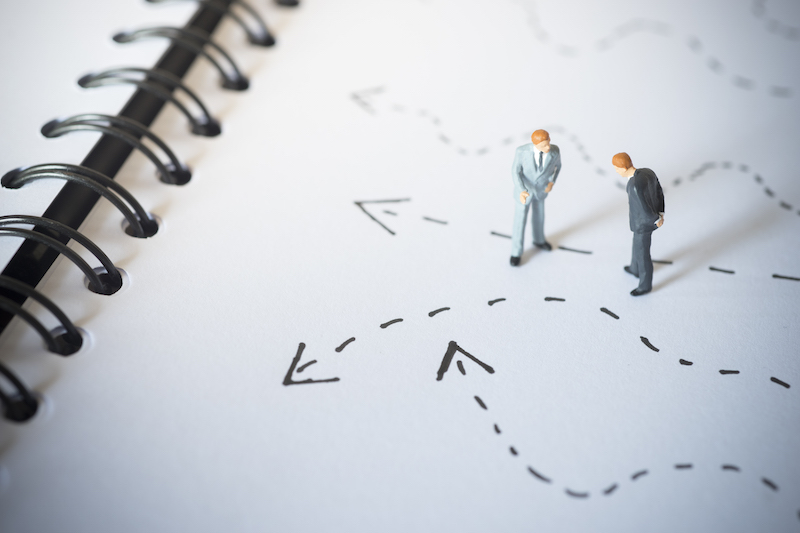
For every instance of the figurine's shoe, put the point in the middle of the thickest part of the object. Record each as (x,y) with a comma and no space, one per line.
(543,245)
(638,292)
(514,261)
(631,272)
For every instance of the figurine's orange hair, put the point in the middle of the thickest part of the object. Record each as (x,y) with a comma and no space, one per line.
(622,160)
(539,136)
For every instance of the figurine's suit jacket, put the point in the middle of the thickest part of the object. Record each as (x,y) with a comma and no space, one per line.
(645,201)
(527,177)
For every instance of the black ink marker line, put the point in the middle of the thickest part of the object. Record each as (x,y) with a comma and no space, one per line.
(610,489)
(553,299)
(770,484)
(609,313)
(345,343)
(361,206)
(732,468)
(501,235)
(684,466)
(432,313)
(779,382)
(726,372)
(303,367)
(769,192)
(387,324)
(287,380)
(390,212)
(538,475)
(786,206)
(496,429)
(492,302)
(639,474)
(685,362)
(460,366)
(758,179)
(482,151)
(574,250)
(662,262)
(452,348)
(434,220)
(444,139)
(715,269)
(647,343)
(577,494)
(512,450)
(778,276)
(480,402)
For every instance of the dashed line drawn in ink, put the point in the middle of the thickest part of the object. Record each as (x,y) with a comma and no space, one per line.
(773,25)
(705,167)
(389,323)
(778,276)
(574,250)
(362,98)
(769,483)
(361,203)
(538,475)
(609,313)
(436,312)
(662,262)
(501,235)
(659,29)
(460,366)
(647,343)
(715,269)
(452,349)
(288,380)
(726,372)
(444,222)
(685,362)
(480,402)
(492,302)
(390,212)
(553,299)
(576,494)
(779,382)
(614,486)
(345,343)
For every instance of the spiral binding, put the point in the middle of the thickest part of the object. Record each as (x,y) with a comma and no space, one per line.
(94,177)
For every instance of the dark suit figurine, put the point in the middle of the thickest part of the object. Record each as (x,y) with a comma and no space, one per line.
(646,210)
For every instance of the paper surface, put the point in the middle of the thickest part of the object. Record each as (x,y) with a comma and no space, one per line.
(365,178)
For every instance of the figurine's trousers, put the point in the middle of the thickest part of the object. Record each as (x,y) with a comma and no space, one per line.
(520,217)
(641,263)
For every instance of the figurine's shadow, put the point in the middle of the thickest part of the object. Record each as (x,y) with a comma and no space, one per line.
(700,252)
(609,210)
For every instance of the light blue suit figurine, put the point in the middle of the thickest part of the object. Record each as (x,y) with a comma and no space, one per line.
(535,170)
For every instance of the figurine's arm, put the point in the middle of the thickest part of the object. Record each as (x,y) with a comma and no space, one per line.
(556,170)
(642,188)
(516,176)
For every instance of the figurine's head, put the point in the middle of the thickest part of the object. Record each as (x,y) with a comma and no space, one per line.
(541,140)
(622,163)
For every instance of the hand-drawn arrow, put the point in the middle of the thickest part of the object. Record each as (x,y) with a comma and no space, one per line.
(361,206)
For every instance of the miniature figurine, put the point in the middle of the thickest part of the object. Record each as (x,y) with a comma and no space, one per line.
(535,170)
(646,212)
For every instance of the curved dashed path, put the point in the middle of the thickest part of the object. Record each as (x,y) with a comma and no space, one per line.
(790,32)
(609,489)
(664,30)
(363,99)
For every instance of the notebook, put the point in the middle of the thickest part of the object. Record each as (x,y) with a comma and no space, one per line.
(325,333)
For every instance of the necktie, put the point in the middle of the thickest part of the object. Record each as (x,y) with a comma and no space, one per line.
(541,154)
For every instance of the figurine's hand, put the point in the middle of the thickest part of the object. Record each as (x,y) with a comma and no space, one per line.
(549,187)
(660,221)
(523,196)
